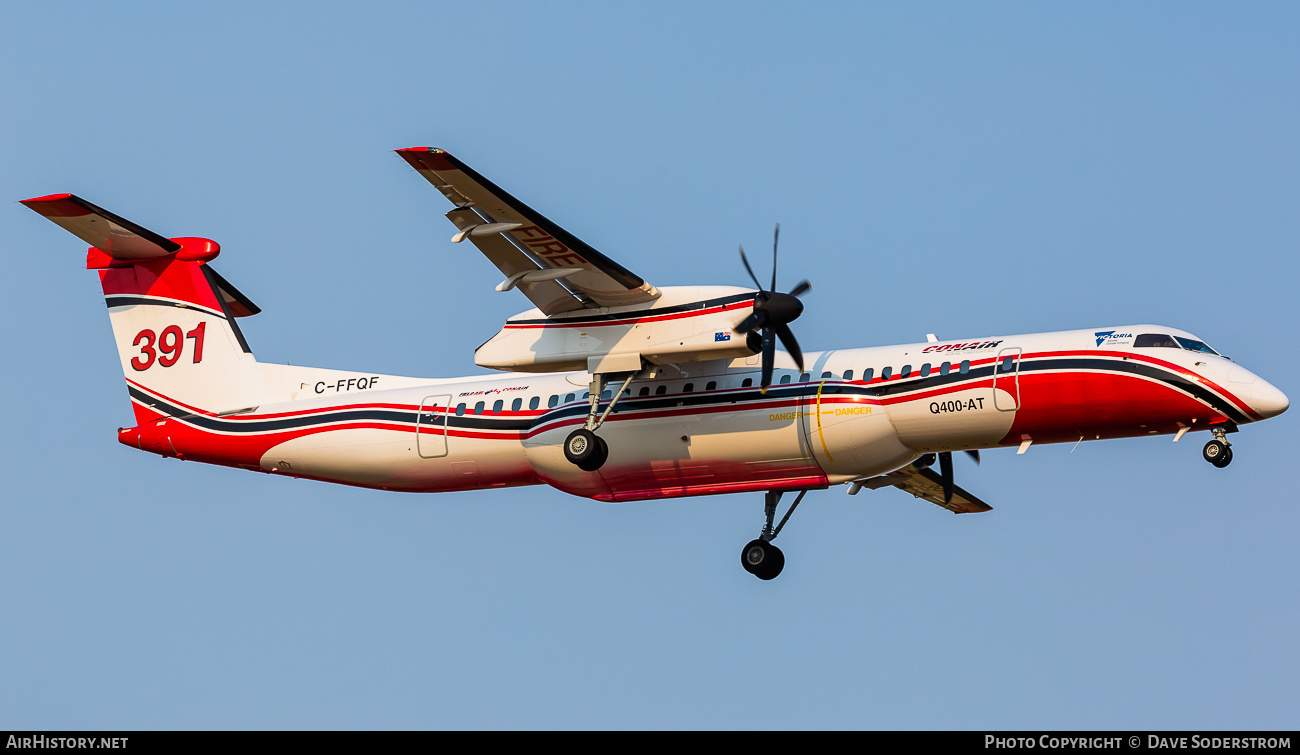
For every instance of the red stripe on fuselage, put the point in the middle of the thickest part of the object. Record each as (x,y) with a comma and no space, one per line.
(1066,406)
(632,320)
(1138,357)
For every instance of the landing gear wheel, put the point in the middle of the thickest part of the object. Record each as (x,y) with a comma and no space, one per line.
(1217,453)
(762,559)
(586,450)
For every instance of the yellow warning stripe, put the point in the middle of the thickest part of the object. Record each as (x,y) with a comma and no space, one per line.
(819,422)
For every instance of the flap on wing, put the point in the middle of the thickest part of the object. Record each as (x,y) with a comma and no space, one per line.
(548,296)
(114,235)
(926,484)
(605,282)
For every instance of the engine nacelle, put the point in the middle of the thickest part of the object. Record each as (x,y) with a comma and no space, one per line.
(685,324)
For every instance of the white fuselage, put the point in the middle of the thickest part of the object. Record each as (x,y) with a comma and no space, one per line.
(705,427)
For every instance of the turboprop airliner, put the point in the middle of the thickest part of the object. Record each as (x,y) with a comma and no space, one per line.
(615,389)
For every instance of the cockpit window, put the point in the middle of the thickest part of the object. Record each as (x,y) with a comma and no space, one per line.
(1191,344)
(1155,340)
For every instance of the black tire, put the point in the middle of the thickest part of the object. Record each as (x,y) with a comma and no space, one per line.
(580,445)
(762,559)
(596,459)
(772,567)
(1215,451)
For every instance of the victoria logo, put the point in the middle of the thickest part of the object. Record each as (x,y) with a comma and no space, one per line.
(1110,337)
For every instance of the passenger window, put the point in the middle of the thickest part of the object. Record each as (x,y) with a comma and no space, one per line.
(848,374)
(661,390)
(496,408)
(825,375)
(867,373)
(688,387)
(605,393)
(516,405)
(1159,340)
(925,370)
(460,409)
(965,366)
(1007,363)
(645,391)
(478,408)
(552,401)
(804,377)
(784,379)
(944,368)
(534,402)
(568,397)
(713,384)
(885,373)
(750,381)
(907,370)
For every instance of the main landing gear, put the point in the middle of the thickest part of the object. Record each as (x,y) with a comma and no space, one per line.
(760,557)
(583,448)
(1218,451)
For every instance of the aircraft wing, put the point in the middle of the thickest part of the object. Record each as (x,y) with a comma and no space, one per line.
(556,270)
(926,484)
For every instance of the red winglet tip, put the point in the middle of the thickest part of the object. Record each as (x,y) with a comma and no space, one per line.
(46,198)
(57,206)
(413,149)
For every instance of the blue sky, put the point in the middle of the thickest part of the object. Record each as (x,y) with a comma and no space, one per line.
(948,168)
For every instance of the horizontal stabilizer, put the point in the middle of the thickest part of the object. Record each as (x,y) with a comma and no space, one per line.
(115,236)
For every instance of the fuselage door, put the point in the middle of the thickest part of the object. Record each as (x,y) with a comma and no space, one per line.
(1006,380)
(431,427)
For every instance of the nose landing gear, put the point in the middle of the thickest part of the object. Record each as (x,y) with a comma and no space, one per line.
(1218,451)
(760,557)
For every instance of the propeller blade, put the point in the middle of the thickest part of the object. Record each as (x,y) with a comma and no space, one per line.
(776,236)
(801,289)
(787,340)
(769,358)
(945,472)
(755,320)
(974,455)
(750,270)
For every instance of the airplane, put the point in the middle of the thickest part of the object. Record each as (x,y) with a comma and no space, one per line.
(618,390)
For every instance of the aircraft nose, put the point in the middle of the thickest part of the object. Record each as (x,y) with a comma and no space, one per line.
(1267,400)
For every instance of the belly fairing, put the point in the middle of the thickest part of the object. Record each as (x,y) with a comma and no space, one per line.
(679,446)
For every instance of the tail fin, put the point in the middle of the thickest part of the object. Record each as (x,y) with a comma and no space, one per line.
(173,316)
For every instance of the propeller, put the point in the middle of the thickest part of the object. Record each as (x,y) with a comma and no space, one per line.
(772,315)
(945,469)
